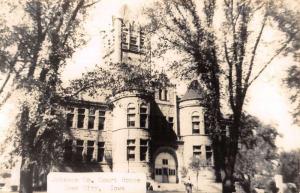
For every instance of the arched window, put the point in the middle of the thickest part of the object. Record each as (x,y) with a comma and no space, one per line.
(195,123)
(131,115)
(143,116)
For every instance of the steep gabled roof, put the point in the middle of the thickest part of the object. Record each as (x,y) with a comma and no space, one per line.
(194,91)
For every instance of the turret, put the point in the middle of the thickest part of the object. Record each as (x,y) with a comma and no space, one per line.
(192,125)
(130,133)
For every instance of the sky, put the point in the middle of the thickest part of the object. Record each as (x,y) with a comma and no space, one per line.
(267,98)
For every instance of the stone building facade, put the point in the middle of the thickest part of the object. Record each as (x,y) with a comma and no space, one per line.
(154,132)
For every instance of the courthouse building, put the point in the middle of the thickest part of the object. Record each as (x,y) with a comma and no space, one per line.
(139,130)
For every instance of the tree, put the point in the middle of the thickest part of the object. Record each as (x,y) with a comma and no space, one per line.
(257,157)
(189,28)
(43,43)
(286,19)
(290,166)
(293,82)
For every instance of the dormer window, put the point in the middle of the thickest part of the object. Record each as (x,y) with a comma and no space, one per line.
(163,94)
(131,115)
(195,123)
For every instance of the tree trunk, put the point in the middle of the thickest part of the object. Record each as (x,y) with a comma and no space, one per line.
(227,186)
(230,151)
(197,175)
(25,176)
(246,185)
(228,182)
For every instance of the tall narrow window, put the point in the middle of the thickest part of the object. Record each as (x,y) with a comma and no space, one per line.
(68,150)
(79,150)
(130,149)
(209,155)
(160,94)
(163,94)
(124,37)
(171,122)
(100,157)
(143,116)
(90,151)
(133,44)
(206,123)
(195,123)
(143,149)
(101,120)
(80,120)
(197,151)
(166,95)
(91,118)
(142,40)
(131,115)
(70,117)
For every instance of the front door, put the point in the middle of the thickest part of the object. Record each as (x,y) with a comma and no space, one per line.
(165,175)
(165,168)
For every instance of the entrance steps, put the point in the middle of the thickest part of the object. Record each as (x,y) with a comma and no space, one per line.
(168,187)
(206,186)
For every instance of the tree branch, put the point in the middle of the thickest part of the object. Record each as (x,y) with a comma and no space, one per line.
(230,81)
(71,21)
(254,54)
(271,59)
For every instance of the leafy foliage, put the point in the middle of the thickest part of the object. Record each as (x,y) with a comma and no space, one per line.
(293,82)
(196,165)
(257,156)
(290,163)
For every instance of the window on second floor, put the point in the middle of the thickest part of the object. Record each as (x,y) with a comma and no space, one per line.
(195,123)
(206,123)
(91,118)
(101,120)
(70,117)
(131,115)
(143,116)
(80,118)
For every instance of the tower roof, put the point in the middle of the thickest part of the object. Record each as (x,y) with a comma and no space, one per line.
(194,91)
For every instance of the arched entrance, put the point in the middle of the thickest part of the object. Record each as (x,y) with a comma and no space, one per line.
(165,166)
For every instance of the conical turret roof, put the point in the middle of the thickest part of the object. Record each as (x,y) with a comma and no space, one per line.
(194,91)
